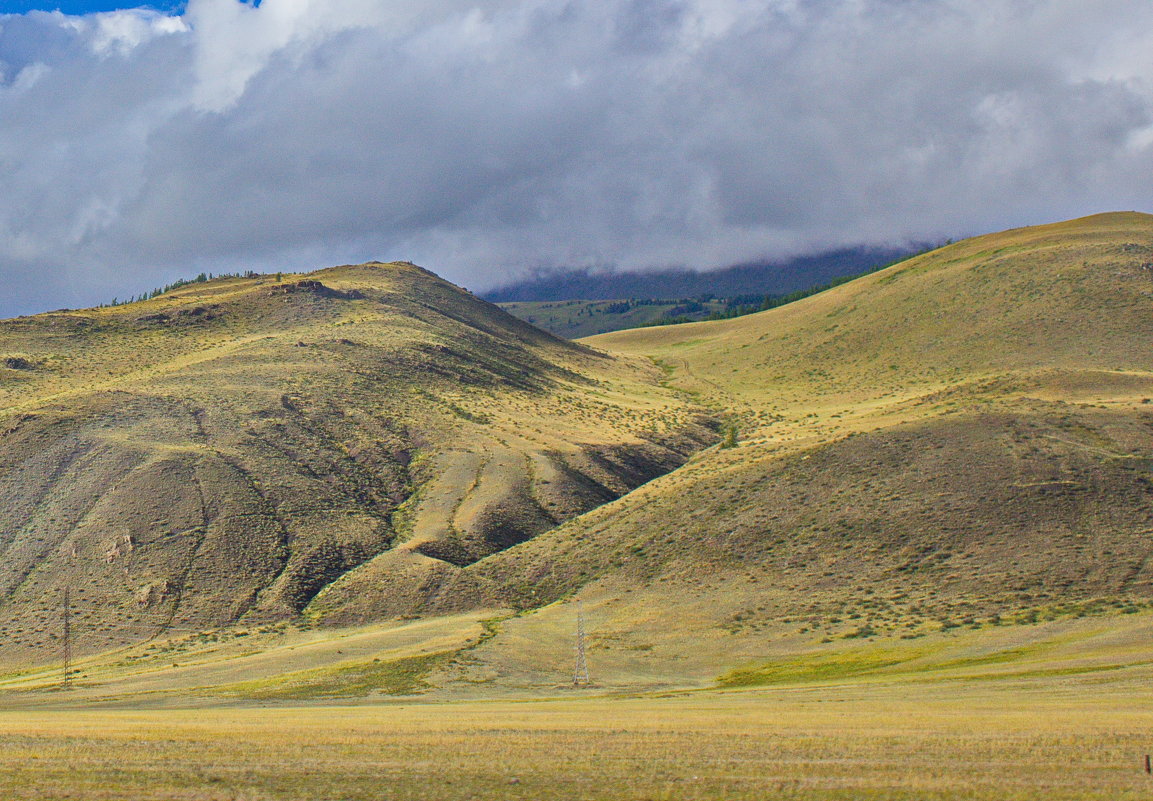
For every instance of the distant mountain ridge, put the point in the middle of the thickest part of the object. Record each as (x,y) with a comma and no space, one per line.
(764,278)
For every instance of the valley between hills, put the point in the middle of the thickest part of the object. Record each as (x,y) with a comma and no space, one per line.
(926,495)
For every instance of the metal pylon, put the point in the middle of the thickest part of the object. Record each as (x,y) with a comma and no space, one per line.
(580,676)
(66,679)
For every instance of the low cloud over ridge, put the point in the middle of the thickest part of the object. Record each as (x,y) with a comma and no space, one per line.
(486,140)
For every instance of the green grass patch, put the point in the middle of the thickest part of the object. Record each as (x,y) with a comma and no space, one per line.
(819,667)
(404,676)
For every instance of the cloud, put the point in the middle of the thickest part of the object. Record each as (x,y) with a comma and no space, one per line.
(485,140)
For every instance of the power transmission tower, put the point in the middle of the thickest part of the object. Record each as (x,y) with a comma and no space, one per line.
(66,682)
(580,676)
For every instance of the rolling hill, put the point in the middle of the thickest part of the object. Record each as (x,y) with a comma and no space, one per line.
(938,471)
(232,449)
(961,442)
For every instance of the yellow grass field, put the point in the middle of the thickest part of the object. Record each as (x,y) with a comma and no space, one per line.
(1051,739)
(1059,709)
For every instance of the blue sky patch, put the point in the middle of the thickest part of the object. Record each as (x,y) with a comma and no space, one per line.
(81,6)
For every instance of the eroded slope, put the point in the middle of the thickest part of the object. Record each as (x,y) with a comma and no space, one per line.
(230,449)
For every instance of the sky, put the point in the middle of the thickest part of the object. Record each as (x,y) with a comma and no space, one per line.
(80,6)
(489,140)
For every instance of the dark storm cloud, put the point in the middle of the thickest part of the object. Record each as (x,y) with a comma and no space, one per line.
(487,140)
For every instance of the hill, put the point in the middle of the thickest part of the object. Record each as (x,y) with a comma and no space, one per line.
(917,561)
(232,449)
(959,442)
(940,471)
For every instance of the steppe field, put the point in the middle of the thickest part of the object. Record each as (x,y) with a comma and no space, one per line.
(1030,738)
(1050,710)
(543,400)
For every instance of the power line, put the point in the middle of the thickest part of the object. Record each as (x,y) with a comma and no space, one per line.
(66,679)
(580,676)
(73,624)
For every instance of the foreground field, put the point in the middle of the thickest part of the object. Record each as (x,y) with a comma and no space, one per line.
(632,650)
(981,740)
(1057,709)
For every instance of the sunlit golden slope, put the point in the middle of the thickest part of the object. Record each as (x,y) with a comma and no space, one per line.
(234,448)
(959,440)
(941,468)
(1070,298)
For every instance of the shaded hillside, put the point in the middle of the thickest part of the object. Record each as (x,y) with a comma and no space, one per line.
(971,513)
(956,440)
(231,448)
(573,319)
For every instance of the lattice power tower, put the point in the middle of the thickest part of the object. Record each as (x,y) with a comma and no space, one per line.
(580,675)
(66,678)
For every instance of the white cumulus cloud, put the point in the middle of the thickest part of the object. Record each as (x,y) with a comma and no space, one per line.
(484,140)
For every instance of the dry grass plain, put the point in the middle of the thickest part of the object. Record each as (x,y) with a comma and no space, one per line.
(1028,739)
(1053,710)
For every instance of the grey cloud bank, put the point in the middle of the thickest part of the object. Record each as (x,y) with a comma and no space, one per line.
(487,140)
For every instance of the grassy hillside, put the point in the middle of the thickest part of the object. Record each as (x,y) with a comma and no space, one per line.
(1070,297)
(940,467)
(235,449)
(573,319)
(962,441)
